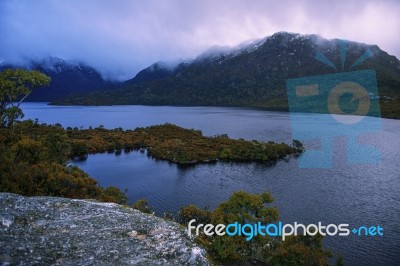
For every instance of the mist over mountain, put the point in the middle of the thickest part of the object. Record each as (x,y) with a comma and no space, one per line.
(67,78)
(253,75)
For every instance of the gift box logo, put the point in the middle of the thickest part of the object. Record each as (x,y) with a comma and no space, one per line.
(349,100)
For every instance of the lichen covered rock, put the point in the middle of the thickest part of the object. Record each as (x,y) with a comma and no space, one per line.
(60,231)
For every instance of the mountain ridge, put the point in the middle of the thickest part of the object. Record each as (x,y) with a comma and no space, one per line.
(67,78)
(252,74)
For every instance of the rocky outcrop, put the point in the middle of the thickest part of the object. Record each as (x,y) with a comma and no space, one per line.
(60,231)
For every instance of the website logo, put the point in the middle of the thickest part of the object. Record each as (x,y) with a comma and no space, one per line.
(281,230)
(351,101)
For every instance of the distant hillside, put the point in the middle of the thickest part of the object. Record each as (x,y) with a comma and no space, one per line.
(253,75)
(67,78)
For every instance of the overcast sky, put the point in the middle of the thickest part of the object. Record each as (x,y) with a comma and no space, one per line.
(121,37)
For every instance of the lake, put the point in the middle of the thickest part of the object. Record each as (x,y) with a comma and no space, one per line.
(357,194)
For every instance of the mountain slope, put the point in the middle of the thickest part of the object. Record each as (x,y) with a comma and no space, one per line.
(66,79)
(253,75)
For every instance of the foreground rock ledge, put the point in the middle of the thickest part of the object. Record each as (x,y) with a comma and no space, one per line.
(48,230)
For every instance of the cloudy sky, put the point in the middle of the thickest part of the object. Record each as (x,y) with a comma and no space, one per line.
(121,37)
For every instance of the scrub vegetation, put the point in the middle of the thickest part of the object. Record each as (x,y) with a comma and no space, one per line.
(34,157)
(242,207)
(176,144)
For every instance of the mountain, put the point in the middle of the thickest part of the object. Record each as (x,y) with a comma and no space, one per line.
(67,78)
(252,75)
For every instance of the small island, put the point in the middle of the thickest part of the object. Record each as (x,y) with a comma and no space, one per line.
(175,144)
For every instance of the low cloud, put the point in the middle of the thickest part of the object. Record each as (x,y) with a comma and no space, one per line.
(122,37)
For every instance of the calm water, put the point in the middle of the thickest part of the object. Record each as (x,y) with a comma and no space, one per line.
(354,194)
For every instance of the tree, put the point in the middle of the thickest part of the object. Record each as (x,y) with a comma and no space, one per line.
(187,213)
(297,145)
(15,86)
(142,205)
(242,207)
